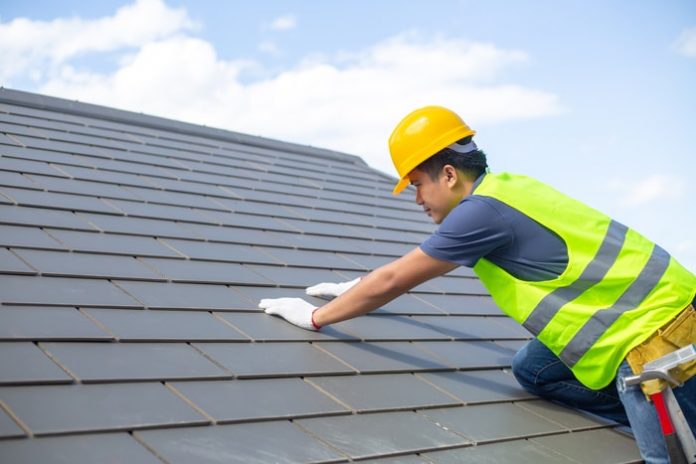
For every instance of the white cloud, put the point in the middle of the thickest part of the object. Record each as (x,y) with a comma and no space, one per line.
(37,47)
(268,46)
(686,43)
(348,102)
(284,23)
(654,187)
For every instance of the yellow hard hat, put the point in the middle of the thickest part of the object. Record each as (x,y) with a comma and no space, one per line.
(420,135)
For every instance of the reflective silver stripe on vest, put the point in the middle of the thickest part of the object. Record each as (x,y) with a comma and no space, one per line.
(593,274)
(595,327)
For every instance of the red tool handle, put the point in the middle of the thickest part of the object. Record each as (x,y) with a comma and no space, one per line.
(674,449)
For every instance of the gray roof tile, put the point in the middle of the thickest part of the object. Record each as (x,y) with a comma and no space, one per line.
(470,354)
(41,217)
(47,323)
(383,392)
(307,258)
(184,296)
(229,252)
(518,451)
(369,435)
(78,449)
(408,304)
(279,442)
(184,270)
(62,291)
(160,325)
(109,362)
(565,416)
(81,187)
(11,264)
(258,399)
(295,276)
(8,429)
(28,237)
(57,263)
(252,221)
(481,423)
(81,408)
(137,226)
(25,165)
(385,356)
(478,386)
(112,243)
(594,446)
(14,179)
(227,234)
(55,200)
(273,359)
(156,211)
(407,459)
(462,304)
(24,363)
(383,328)
(469,327)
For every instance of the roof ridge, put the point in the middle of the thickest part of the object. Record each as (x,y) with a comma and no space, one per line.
(44,102)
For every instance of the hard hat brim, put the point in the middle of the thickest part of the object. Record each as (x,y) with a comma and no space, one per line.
(400,186)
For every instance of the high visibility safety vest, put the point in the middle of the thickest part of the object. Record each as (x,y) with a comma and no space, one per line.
(617,289)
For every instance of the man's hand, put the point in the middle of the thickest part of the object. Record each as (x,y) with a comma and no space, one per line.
(331,290)
(294,310)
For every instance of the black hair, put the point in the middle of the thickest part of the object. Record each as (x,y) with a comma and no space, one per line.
(473,162)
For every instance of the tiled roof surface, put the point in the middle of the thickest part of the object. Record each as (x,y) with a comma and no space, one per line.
(133,253)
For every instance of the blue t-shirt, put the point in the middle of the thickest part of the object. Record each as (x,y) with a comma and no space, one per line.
(482,226)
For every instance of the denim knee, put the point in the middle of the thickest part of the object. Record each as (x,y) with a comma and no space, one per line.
(520,369)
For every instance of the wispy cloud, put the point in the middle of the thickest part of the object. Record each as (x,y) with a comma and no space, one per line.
(40,47)
(348,102)
(268,46)
(284,23)
(656,187)
(686,43)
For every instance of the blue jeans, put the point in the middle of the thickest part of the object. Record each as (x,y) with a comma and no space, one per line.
(541,373)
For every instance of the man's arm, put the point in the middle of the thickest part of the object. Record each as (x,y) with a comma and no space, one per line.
(381,286)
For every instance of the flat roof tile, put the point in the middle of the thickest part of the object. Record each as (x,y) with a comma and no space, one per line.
(383,391)
(492,422)
(77,449)
(374,357)
(58,263)
(47,323)
(82,408)
(258,399)
(371,435)
(184,295)
(279,442)
(24,362)
(112,362)
(61,291)
(273,359)
(161,325)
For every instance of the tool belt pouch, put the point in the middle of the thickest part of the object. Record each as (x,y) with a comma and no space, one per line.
(678,333)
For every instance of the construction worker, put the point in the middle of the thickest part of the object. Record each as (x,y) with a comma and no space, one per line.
(599,298)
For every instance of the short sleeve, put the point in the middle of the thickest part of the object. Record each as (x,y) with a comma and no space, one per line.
(473,229)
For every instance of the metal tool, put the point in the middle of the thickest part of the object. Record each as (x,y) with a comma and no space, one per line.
(681,444)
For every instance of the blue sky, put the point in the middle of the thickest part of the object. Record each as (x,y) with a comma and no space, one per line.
(596,98)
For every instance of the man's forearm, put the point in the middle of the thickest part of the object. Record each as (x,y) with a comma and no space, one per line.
(374,290)
(381,286)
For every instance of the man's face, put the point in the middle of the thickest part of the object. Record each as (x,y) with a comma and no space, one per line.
(435,196)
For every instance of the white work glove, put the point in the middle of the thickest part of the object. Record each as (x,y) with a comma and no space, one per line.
(331,290)
(294,310)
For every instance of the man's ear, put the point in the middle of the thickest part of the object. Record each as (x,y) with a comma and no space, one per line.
(451,175)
